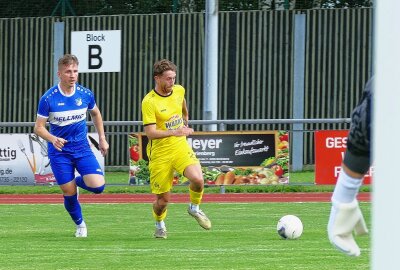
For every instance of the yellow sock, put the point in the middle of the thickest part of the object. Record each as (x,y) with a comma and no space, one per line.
(161,217)
(195,197)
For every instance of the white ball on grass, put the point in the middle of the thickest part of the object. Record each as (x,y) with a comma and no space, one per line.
(289,227)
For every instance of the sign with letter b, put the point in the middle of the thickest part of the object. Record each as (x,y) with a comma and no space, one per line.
(97,51)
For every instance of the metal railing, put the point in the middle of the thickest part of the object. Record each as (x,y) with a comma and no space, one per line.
(300,150)
(220,123)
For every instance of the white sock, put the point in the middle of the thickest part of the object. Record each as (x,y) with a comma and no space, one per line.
(160,224)
(194,207)
(82,225)
(346,188)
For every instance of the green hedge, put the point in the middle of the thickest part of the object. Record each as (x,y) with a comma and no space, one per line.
(117,182)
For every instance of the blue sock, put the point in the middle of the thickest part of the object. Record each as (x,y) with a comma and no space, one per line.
(73,207)
(80,183)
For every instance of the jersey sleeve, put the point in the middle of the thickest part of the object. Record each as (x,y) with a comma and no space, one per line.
(43,108)
(92,101)
(148,113)
(181,90)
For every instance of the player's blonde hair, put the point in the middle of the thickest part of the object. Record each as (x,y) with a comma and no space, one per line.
(163,65)
(67,59)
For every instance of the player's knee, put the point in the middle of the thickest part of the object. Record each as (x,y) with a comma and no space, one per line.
(356,164)
(161,203)
(98,190)
(197,182)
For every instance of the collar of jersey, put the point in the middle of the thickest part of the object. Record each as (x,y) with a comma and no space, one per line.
(65,95)
(162,95)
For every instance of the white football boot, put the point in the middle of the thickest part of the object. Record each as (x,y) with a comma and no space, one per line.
(201,218)
(81,230)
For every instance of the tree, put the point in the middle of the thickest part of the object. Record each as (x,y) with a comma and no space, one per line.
(43,8)
(346,3)
(308,4)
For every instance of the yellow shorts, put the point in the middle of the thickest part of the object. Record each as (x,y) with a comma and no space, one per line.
(162,166)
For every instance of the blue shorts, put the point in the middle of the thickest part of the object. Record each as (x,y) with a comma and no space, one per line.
(64,165)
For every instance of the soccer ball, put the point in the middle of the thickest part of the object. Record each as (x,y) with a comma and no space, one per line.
(290,227)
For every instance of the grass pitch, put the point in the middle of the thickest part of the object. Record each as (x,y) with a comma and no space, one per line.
(120,237)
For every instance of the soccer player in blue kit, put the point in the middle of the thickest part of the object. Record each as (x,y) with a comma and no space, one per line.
(65,107)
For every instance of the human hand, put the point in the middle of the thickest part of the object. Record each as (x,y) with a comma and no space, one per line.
(183,131)
(186,120)
(103,146)
(59,143)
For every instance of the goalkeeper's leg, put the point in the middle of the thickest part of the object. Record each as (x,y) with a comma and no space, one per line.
(346,216)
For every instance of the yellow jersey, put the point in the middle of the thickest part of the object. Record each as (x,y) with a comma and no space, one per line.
(166,113)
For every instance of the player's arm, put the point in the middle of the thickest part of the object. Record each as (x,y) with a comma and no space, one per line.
(98,123)
(185,113)
(41,130)
(153,133)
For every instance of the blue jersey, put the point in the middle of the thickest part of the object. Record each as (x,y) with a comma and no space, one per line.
(67,115)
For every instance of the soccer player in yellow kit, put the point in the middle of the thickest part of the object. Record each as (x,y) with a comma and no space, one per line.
(165,118)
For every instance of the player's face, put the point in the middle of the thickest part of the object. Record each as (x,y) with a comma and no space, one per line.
(68,75)
(166,81)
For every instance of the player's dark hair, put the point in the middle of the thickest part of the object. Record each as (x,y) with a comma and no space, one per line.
(67,59)
(163,65)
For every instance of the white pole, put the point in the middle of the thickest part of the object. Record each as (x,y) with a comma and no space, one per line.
(386,149)
(297,141)
(58,47)
(211,65)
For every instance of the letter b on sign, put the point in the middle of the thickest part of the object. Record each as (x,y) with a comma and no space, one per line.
(97,51)
(95,60)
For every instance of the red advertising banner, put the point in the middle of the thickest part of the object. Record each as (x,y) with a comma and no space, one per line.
(330,146)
